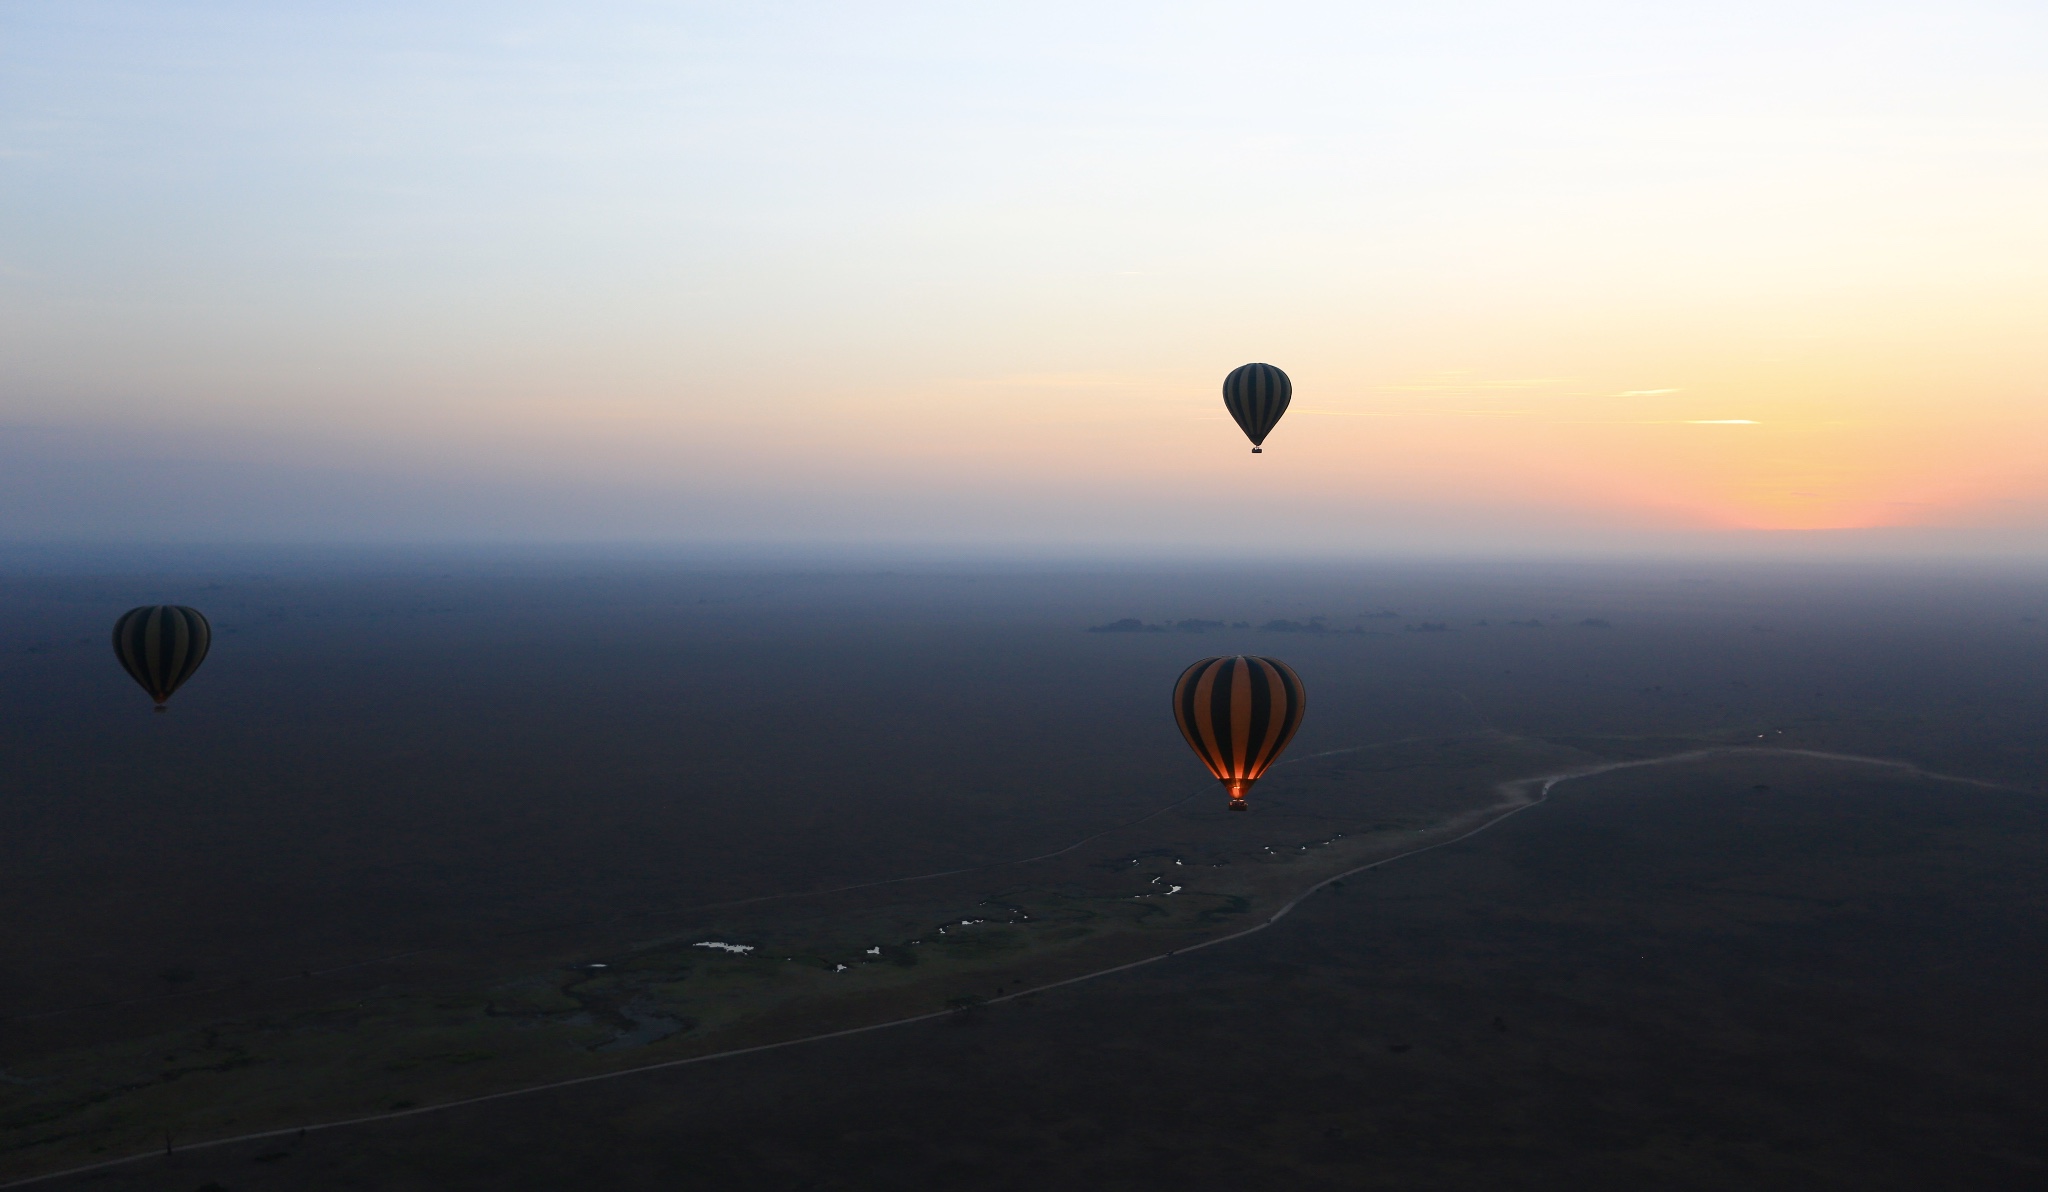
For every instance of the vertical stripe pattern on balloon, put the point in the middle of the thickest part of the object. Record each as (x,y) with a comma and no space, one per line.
(160,645)
(1256,395)
(1237,714)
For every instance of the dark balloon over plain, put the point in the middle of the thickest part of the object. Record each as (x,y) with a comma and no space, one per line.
(1238,714)
(1256,395)
(160,646)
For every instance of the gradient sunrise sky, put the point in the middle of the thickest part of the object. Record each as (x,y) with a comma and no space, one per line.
(1544,275)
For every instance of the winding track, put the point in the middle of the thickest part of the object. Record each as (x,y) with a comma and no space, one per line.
(297,975)
(1542,782)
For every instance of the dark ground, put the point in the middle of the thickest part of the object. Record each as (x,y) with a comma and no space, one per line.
(453,762)
(1665,978)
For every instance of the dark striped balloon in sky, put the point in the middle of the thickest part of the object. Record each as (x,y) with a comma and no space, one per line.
(1256,395)
(160,645)
(1238,713)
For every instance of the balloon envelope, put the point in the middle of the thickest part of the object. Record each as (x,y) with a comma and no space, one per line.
(1237,714)
(1256,395)
(160,645)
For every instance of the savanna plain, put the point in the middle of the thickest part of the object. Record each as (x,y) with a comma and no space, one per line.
(1696,875)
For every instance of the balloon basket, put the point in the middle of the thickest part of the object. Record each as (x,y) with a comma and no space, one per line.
(1237,805)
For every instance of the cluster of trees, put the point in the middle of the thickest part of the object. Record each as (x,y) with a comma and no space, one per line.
(1311,625)
(1134,625)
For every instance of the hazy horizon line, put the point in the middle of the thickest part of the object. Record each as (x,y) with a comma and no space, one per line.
(1857,549)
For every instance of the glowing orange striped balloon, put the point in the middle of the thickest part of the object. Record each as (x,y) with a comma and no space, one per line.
(1238,713)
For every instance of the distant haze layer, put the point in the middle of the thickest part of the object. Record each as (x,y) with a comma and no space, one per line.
(1544,276)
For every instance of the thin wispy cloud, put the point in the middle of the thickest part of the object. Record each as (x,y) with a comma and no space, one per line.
(1074,380)
(1459,386)
(1418,413)
(1535,414)
(1653,422)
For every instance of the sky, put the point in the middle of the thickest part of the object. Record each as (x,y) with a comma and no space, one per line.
(1545,276)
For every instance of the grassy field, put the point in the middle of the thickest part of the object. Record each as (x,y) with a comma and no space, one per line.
(412,838)
(812,963)
(1747,969)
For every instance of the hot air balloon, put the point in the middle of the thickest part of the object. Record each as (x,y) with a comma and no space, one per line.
(160,645)
(1256,395)
(1238,713)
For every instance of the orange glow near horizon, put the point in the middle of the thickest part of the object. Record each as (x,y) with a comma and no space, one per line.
(1540,276)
